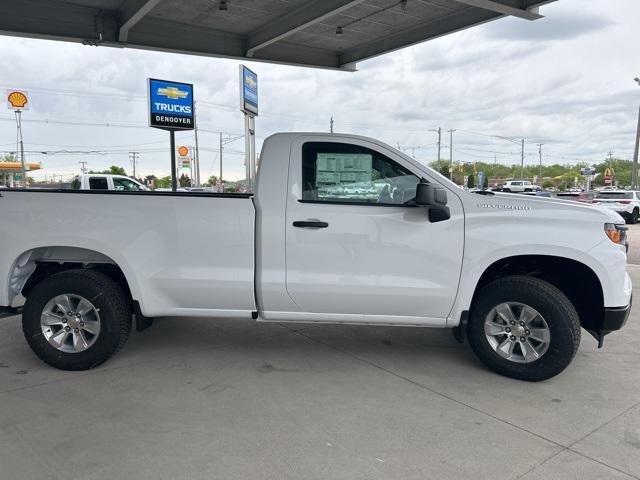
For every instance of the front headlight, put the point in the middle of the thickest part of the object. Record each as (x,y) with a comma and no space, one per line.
(617,233)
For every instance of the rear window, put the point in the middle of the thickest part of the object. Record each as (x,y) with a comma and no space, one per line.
(98,183)
(615,195)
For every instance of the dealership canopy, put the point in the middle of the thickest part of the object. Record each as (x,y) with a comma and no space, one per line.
(315,33)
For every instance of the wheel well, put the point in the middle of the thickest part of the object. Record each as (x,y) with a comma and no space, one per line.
(35,265)
(576,280)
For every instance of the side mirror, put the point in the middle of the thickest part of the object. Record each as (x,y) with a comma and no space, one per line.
(435,199)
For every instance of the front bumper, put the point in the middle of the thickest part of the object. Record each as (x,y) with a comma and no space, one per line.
(614,318)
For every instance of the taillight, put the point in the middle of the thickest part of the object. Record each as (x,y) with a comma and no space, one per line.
(624,201)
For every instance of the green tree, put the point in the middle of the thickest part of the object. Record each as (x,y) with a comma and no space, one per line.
(184,181)
(212,181)
(471,182)
(112,170)
(164,182)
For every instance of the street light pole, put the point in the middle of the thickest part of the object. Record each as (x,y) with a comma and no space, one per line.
(634,174)
(451,153)
(522,162)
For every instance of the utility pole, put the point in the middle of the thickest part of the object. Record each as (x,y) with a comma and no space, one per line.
(634,174)
(451,154)
(83,169)
(522,162)
(21,144)
(197,157)
(540,155)
(331,125)
(439,132)
(220,178)
(134,158)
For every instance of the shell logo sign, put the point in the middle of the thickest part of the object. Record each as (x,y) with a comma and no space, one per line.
(183,151)
(17,100)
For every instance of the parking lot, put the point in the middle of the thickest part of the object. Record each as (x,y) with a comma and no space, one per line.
(238,399)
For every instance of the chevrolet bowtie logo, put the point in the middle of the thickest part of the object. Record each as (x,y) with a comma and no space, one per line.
(172,93)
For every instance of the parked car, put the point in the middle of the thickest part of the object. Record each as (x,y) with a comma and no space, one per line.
(517,186)
(577,196)
(422,253)
(97,181)
(625,202)
(539,193)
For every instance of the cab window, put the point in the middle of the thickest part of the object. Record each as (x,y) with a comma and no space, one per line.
(98,183)
(124,184)
(352,174)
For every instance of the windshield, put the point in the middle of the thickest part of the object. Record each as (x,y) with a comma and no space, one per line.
(615,195)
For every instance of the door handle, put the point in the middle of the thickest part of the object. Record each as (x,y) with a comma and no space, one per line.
(310,224)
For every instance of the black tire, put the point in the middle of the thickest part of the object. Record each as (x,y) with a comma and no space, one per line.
(551,303)
(508,190)
(105,294)
(633,219)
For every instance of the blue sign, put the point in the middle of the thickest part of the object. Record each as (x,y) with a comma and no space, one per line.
(171,105)
(248,91)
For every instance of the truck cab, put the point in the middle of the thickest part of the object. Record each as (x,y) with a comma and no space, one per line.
(99,181)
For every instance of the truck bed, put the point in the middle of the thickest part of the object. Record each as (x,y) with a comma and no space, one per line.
(182,253)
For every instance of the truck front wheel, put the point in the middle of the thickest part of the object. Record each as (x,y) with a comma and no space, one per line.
(76,319)
(523,327)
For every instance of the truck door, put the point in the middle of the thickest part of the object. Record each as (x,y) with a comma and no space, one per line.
(355,243)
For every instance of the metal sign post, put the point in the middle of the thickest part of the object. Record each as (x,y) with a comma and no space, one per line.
(172,146)
(249,106)
(171,107)
(18,101)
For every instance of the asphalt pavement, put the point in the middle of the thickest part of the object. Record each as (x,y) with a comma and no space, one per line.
(633,255)
(203,399)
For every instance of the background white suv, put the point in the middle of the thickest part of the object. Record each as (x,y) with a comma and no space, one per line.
(518,186)
(624,202)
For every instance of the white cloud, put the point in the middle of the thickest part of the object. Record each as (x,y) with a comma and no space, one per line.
(565,80)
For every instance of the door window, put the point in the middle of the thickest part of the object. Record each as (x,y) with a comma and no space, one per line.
(351,174)
(125,184)
(98,183)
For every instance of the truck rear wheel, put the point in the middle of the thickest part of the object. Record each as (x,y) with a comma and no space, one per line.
(523,327)
(77,319)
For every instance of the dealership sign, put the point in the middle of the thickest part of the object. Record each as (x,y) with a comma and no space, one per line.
(248,91)
(170,105)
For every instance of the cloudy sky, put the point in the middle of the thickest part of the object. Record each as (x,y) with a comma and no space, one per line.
(565,81)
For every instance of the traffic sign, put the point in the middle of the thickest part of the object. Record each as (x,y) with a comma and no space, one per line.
(170,105)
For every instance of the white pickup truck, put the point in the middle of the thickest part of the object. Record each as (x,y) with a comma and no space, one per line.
(103,181)
(340,229)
